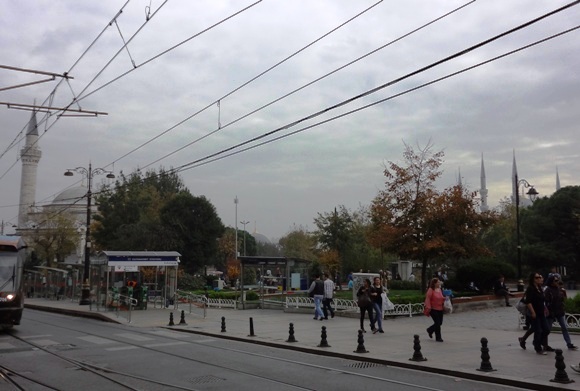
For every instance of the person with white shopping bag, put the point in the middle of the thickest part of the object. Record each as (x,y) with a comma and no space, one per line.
(377,299)
(434,301)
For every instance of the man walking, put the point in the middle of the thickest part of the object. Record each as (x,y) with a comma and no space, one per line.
(316,291)
(328,294)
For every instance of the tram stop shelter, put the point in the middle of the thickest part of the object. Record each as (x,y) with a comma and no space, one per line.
(275,274)
(120,272)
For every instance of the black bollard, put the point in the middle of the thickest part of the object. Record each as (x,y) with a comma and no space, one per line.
(485,363)
(417,355)
(171,319)
(291,334)
(561,375)
(182,320)
(361,343)
(223,324)
(323,341)
(252,328)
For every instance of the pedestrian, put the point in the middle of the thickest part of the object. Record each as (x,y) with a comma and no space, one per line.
(535,301)
(328,294)
(376,298)
(434,300)
(555,296)
(316,291)
(412,277)
(500,289)
(365,304)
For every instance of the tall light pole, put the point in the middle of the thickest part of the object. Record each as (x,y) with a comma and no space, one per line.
(236,202)
(244,223)
(532,193)
(89,173)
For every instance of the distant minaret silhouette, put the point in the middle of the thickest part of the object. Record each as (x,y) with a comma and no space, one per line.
(558,187)
(459,181)
(514,175)
(30,156)
(484,207)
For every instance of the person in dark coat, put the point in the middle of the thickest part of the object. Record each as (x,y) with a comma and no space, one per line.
(500,289)
(534,299)
(365,290)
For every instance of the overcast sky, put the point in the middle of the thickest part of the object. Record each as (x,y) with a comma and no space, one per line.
(528,102)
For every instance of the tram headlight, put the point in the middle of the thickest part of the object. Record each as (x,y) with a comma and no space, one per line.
(7,296)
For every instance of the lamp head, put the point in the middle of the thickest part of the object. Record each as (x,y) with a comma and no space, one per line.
(532,193)
(68,173)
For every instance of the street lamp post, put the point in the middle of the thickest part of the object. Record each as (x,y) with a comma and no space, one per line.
(236,203)
(89,173)
(244,223)
(532,193)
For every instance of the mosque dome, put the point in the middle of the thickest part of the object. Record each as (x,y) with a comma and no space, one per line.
(261,238)
(72,196)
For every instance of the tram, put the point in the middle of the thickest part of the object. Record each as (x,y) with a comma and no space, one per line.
(12,257)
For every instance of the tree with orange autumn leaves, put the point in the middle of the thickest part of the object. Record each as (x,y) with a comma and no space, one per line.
(412,219)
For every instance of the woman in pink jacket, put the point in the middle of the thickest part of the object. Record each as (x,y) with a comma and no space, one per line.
(434,307)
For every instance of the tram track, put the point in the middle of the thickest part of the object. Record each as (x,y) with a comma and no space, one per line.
(224,350)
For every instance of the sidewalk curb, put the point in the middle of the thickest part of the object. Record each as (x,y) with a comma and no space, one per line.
(398,364)
(79,313)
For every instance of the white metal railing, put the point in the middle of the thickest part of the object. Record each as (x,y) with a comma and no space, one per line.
(197,303)
(351,305)
(572,321)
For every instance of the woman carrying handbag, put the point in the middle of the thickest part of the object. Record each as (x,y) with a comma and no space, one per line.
(434,300)
(365,304)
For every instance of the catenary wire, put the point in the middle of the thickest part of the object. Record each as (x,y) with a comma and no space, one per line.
(220,127)
(239,88)
(204,161)
(390,83)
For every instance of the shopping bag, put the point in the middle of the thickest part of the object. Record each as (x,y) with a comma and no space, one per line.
(387,304)
(447,306)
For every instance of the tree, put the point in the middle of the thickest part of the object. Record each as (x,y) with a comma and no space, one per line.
(399,212)
(156,212)
(551,231)
(191,225)
(413,220)
(299,243)
(54,238)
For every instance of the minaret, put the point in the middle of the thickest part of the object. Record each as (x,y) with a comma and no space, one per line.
(483,190)
(29,155)
(558,187)
(514,184)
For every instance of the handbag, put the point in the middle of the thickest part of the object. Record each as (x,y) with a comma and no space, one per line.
(447,306)
(363,301)
(522,307)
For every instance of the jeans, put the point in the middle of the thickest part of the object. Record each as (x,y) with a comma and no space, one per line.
(563,326)
(378,308)
(326,308)
(368,309)
(317,309)
(437,317)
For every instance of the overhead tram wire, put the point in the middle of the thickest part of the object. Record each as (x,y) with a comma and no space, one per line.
(51,95)
(215,156)
(81,97)
(289,93)
(76,100)
(239,88)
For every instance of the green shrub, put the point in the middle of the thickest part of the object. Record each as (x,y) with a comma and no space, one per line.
(251,295)
(483,272)
(413,299)
(404,285)
(572,306)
